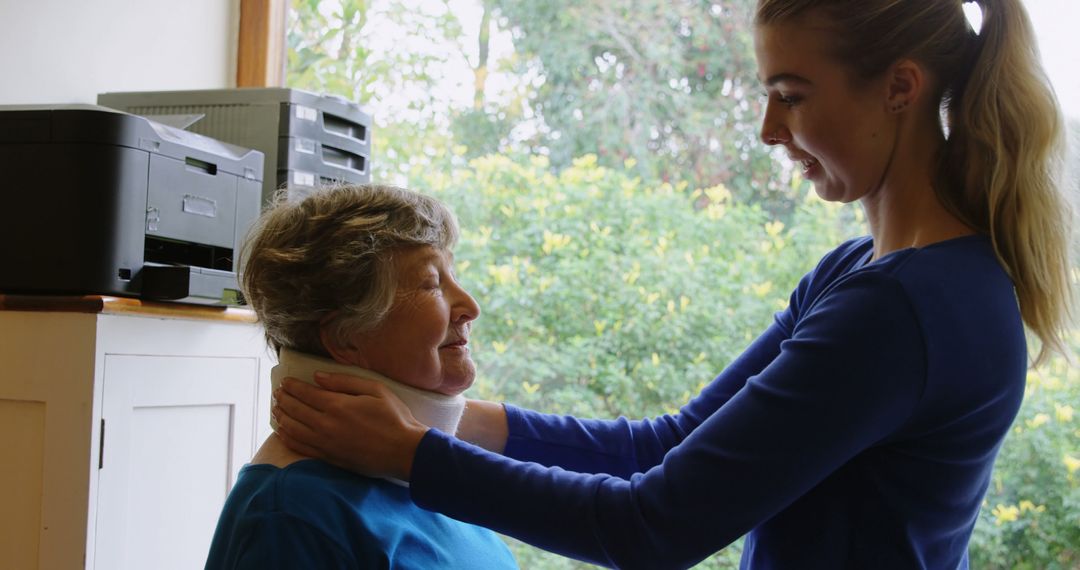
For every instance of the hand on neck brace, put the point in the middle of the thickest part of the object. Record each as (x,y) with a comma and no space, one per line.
(434,410)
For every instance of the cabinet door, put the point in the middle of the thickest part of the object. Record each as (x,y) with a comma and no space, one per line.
(175,432)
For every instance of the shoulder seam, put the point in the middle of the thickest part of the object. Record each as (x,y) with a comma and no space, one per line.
(922,334)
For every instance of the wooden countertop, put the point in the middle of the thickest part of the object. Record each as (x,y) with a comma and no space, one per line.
(123,305)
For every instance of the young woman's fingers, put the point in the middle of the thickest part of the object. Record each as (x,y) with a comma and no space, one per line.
(348,384)
(297,445)
(305,393)
(297,409)
(295,428)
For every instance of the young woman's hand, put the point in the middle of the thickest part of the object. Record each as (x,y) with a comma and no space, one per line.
(356,424)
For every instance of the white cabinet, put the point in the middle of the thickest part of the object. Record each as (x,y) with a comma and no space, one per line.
(122,430)
(176,429)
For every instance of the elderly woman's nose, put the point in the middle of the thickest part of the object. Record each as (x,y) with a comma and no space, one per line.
(465,307)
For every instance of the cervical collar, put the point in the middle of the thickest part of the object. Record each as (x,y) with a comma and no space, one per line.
(432,409)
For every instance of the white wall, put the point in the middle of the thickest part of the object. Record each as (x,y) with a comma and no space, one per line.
(68,51)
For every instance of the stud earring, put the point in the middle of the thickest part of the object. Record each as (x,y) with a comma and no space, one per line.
(898,107)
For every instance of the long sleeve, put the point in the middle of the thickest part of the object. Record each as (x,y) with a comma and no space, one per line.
(622,447)
(852,372)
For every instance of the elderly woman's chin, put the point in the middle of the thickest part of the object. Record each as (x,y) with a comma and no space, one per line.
(456,376)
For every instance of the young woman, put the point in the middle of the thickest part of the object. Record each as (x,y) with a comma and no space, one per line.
(860,429)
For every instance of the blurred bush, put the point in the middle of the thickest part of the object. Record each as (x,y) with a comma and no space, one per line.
(1031,516)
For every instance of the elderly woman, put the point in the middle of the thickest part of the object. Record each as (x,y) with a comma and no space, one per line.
(355,279)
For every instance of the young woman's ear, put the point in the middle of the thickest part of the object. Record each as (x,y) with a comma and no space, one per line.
(905,85)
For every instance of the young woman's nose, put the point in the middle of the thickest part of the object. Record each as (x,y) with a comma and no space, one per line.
(773,134)
(773,130)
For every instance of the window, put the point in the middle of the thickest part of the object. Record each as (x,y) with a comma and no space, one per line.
(623,229)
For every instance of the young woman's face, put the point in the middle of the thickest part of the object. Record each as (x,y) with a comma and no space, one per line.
(837,130)
(423,341)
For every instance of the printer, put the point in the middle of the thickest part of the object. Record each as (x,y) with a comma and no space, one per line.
(93,200)
(309,139)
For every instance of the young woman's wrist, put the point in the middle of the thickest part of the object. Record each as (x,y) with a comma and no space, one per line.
(409,448)
(484,424)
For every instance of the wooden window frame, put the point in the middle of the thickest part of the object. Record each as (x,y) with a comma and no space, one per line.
(260,54)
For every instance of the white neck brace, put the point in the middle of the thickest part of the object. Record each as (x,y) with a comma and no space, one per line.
(435,410)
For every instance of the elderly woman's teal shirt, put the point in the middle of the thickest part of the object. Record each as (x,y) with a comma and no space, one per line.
(313,515)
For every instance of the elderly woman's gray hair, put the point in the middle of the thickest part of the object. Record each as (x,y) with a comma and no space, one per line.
(329,258)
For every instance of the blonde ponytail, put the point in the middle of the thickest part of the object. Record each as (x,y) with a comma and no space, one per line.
(1004,160)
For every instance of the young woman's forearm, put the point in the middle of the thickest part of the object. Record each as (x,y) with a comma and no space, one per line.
(484,424)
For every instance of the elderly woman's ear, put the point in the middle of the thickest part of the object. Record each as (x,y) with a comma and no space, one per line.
(345,353)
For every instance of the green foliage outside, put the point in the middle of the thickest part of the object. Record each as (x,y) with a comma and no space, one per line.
(669,83)
(623,244)
(330,51)
(606,296)
(1031,516)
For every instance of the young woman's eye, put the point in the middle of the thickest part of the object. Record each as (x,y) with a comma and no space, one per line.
(789,100)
